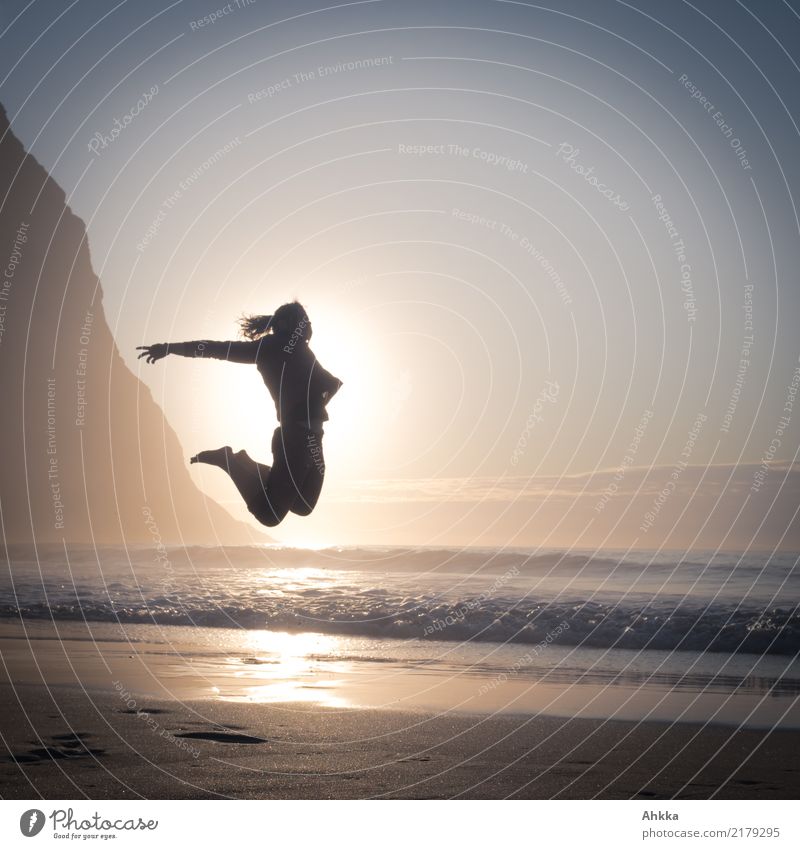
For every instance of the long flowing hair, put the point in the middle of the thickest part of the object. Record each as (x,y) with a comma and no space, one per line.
(289,318)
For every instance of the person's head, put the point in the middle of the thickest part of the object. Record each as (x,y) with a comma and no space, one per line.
(287,319)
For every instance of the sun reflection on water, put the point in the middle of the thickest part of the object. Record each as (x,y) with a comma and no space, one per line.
(284,667)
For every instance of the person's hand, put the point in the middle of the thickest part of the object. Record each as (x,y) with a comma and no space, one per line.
(151,353)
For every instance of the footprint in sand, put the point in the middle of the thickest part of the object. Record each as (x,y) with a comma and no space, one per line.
(65,746)
(148,711)
(220,737)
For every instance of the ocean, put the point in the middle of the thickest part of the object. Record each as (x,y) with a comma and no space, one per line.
(702,623)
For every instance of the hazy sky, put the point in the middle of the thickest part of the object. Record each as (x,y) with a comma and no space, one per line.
(534,240)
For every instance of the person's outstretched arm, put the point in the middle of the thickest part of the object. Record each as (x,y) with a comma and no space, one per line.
(233,352)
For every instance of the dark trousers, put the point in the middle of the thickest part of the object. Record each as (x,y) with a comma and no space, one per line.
(293,482)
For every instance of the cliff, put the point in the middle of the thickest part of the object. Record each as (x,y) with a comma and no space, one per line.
(87,455)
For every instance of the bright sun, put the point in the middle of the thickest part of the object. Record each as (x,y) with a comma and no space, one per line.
(365,416)
(245,414)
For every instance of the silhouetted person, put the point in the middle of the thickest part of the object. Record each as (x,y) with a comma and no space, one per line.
(300,388)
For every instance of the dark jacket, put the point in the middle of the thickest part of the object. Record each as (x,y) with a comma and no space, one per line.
(298,384)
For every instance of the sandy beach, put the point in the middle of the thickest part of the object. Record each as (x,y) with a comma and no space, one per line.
(400,400)
(124,723)
(69,744)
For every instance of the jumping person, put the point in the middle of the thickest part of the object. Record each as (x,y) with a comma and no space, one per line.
(300,388)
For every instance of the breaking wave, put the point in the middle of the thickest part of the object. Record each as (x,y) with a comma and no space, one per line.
(725,604)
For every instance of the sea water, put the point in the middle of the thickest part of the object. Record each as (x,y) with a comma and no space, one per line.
(700,624)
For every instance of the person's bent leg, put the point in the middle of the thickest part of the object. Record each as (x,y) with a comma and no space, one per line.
(250,478)
(310,487)
(280,491)
(279,487)
(292,483)
(268,492)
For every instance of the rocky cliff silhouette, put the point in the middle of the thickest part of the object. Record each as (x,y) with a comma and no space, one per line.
(87,455)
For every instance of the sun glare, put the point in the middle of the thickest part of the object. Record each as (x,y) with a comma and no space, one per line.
(365,415)
(284,668)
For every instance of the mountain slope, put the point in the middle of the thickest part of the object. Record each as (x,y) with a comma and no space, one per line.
(87,454)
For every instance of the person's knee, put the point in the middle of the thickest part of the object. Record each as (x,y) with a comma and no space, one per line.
(269,517)
(301,508)
(270,520)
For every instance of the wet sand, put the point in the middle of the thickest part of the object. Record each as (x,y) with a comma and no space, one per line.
(69,744)
(86,719)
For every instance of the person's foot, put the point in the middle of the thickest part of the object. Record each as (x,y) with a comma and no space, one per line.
(219,457)
(245,461)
